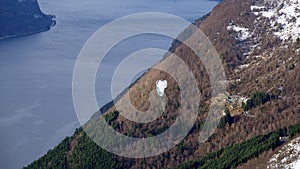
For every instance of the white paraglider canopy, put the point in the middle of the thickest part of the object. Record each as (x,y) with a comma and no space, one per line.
(161,85)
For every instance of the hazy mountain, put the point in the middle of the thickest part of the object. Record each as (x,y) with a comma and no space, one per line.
(22,17)
(258,42)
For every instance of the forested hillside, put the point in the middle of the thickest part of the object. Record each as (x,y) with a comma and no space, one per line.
(262,104)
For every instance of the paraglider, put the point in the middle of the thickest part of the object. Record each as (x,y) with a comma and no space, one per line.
(161,85)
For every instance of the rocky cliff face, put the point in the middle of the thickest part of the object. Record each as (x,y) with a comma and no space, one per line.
(22,17)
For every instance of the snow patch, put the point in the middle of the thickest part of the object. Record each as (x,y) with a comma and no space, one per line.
(243,33)
(244,66)
(259,57)
(253,7)
(295,165)
(268,14)
(287,157)
(284,17)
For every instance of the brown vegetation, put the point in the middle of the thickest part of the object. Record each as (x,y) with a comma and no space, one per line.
(264,75)
(275,72)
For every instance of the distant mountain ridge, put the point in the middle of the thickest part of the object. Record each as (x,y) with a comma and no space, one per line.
(22,17)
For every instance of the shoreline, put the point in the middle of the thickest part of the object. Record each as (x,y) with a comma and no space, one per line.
(29,33)
(24,34)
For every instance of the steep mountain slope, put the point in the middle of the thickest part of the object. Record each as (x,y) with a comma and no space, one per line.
(22,17)
(261,62)
(287,157)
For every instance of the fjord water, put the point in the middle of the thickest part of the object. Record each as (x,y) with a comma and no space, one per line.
(36,71)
